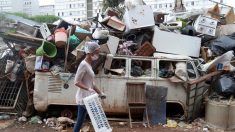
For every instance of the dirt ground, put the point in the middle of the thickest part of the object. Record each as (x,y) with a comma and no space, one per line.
(12,125)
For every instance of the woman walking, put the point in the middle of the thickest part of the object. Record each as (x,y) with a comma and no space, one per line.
(84,80)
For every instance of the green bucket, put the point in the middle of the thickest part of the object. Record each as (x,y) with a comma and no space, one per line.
(47,49)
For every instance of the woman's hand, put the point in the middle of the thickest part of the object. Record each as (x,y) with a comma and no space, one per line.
(102,95)
(91,90)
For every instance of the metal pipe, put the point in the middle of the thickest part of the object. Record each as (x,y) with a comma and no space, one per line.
(220,3)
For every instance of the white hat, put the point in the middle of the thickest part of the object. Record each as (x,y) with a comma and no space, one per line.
(90,47)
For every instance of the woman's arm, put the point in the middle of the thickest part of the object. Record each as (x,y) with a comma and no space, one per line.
(96,89)
(81,85)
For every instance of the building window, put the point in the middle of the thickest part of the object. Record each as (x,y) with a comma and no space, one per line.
(70,13)
(192,3)
(62,13)
(166,5)
(70,6)
(58,14)
(155,6)
(160,5)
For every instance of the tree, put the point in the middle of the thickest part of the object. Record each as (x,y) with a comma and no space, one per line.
(44,18)
(111,3)
(38,18)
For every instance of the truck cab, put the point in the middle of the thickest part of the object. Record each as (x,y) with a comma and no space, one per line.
(154,71)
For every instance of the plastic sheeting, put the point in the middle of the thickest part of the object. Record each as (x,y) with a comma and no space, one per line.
(223,59)
(223,44)
(225,85)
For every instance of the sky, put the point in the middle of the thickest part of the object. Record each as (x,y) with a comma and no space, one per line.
(231,2)
(49,2)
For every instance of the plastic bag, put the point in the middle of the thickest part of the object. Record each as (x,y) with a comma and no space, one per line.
(181,70)
(225,85)
(223,59)
(223,44)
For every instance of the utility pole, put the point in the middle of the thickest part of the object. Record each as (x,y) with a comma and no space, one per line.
(179,6)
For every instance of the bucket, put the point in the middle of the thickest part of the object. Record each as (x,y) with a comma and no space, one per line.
(73,42)
(47,49)
(61,37)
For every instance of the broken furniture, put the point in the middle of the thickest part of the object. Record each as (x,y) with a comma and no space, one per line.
(136,99)
(146,49)
(114,23)
(26,29)
(225,13)
(139,17)
(173,43)
(13,93)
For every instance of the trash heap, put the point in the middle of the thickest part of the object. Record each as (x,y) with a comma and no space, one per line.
(135,31)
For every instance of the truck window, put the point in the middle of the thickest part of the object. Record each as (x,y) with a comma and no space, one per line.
(118,67)
(190,70)
(141,68)
(176,71)
(166,69)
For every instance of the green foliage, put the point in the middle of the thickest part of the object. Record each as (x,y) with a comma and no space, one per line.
(24,15)
(38,18)
(44,18)
(111,3)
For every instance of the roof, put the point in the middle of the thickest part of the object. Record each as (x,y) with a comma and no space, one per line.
(21,19)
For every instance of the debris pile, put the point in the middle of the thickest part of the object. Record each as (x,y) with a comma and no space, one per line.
(137,31)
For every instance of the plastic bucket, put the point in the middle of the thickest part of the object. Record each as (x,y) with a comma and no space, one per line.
(61,37)
(47,49)
(73,42)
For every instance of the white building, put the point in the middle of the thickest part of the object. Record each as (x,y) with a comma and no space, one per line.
(5,5)
(30,7)
(77,9)
(47,10)
(168,5)
(11,6)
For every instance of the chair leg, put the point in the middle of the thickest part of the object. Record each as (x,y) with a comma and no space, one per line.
(147,117)
(130,117)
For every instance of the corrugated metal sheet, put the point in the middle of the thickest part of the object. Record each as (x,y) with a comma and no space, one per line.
(54,84)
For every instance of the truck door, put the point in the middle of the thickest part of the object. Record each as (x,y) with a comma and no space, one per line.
(112,82)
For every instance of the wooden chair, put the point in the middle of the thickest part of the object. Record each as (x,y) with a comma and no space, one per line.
(136,99)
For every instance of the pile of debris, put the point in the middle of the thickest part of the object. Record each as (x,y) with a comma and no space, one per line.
(137,31)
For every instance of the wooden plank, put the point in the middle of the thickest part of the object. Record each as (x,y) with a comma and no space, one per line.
(203,78)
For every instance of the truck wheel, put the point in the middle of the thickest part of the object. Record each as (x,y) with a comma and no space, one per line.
(67,113)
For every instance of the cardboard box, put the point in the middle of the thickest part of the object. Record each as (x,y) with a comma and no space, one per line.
(113,43)
(173,43)
(230,16)
(108,61)
(214,12)
(114,23)
(79,50)
(146,49)
(104,49)
(139,17)
(206,25)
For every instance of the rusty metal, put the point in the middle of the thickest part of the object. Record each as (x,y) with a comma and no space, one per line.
(194,97)
(13,94)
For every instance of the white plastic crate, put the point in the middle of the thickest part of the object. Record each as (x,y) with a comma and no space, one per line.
(45,31)
(206,25)
(96,113)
